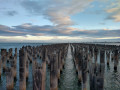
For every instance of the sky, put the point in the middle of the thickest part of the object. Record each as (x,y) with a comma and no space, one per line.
(59,20)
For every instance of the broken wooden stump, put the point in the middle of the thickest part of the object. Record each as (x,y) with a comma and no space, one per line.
(116,60)
(37,76)
(0,68)
(80,67)
(22,69)
(54,72)
(108,57)
(9,79)
(37,80)
(3,58)
(59,63)
(44,59)
(27,69)
(14,67)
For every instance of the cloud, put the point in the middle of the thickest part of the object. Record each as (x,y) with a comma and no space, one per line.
(11,13)
(111,10)
(9,7)
(29,26)
(116,17)
(107,29)
(102,23)
(57,11)
(114,10)
(8,31)
(47,30)
(28,32)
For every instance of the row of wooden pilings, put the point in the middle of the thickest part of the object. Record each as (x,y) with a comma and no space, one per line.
(52,55)
(11,72)
(87,62)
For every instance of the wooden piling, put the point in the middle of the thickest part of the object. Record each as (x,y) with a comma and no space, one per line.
(0,68)
(80,67)
(37,80)
(59,63)
(53,72)
(27,69)
(116,60)
(14,67)
(84,72)
(3,57)
(108,57)
(22,69)
(9,79)
(44,59)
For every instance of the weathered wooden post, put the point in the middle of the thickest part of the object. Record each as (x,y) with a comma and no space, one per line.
(9,79)
(59,63)
(3,57)
(77,58)
(37,76)
(100,76)
(37,80)
(22,69)
(27,69)
(44,59)
(90,54)
(13,67)
(84,69)
(16,52)
(112,56)
(116,60)
(62,60)
(108,57)
(92,76)
(0,68)
(95,55)
(39,73)
(10,52)
(53,72)
(8,58)
(80,67)
(30,58)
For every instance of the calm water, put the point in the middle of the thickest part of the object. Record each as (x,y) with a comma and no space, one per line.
(68,79)
(118,44)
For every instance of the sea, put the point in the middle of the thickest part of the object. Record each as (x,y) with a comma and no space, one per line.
(68,78)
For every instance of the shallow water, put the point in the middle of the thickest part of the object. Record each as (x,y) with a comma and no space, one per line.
(68,79)
(16,83)
(111,77)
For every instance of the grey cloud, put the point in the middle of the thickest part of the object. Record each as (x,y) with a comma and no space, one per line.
(109,17)
(98,33)
(102,23)
(57,11)
(36,7)
(8,31)
(11,13)
(114,10)
(35,30)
